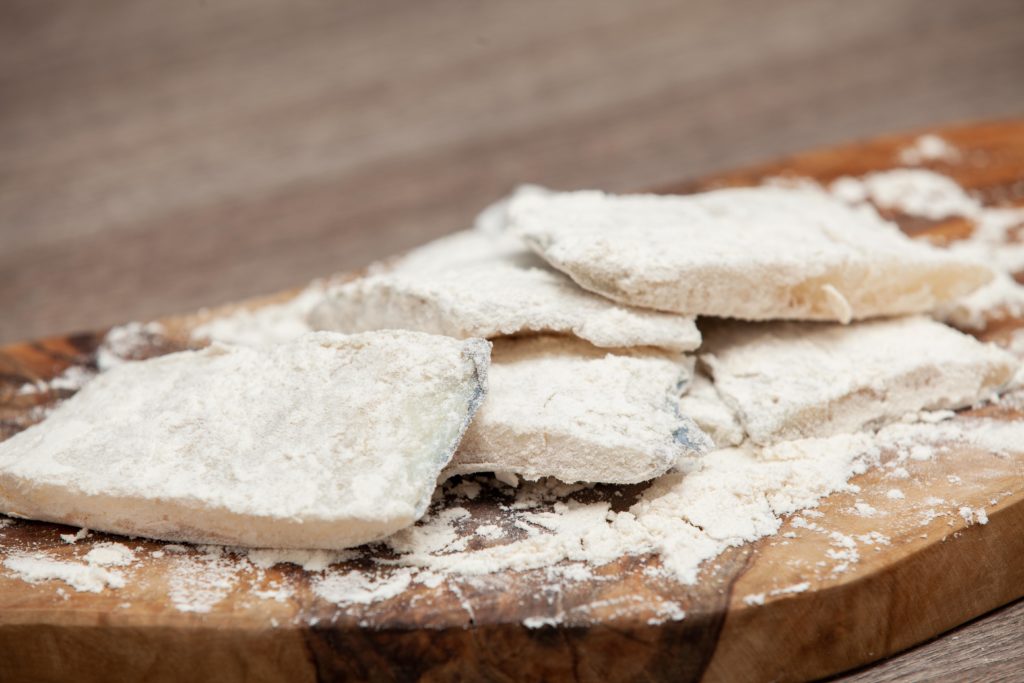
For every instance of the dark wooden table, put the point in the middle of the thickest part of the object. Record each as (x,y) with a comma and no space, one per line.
(158,157)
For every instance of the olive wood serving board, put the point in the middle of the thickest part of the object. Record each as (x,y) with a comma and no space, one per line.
(933,574)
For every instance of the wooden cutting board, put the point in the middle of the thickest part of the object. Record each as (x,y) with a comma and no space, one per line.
(937,571)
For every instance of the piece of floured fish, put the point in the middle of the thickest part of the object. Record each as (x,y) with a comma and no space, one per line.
(327,441)
(795,380)
(752,253)
(559,407)
(475,284)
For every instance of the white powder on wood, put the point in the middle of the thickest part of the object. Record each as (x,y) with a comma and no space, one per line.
(37,567)
(1001,299)
(197,582)
(72,378)
(327,441)
(355,588)
(732,497)
(110,554)
(970,516)
(928,148)
(915,192)
(795,588)
(75,537)
(124,342)
(90,576)
(310,560)
(994,241)
(751,253)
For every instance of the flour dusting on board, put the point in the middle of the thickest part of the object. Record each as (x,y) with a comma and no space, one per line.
(916,192)
(125,343)
(91,575)
(928,148)
(198,582)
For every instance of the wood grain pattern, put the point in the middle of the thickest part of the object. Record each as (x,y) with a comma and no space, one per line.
(254,144)
(935,573)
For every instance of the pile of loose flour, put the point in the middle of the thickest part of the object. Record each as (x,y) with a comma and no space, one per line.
(480,527)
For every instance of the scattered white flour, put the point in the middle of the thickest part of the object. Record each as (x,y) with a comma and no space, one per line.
(754,599)
(73,378)
(122,343)
(275,592)
(895,494)
(727,498)
(865,510)
(915,192)
(844,551)
(995,238)
(973,516)
(795,588)
(541,622)
(355,587)
(198,582)
(491,531)
(310,560)
(898,473)
(251,424)
(270,324)
(928,148)
(1003,298)
(90,576)
(993,241)
(483,285)
(110,554)
(37,567)
(751,253)
(875,538)
(667,611)
(75,537)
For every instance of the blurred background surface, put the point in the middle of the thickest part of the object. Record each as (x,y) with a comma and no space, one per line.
(156,157)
